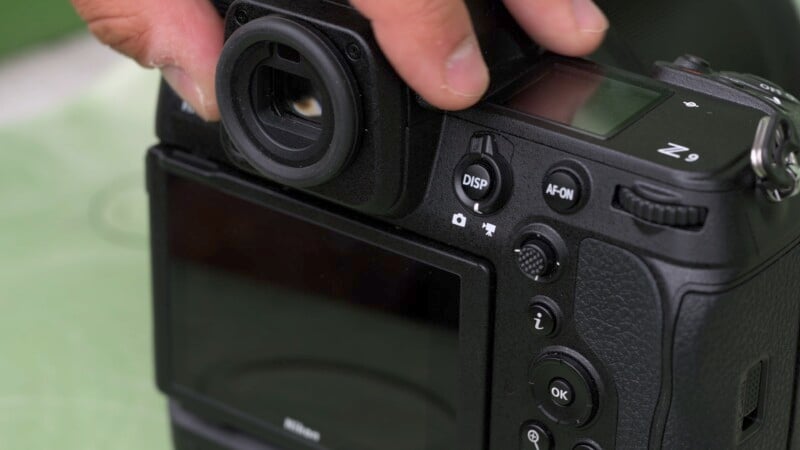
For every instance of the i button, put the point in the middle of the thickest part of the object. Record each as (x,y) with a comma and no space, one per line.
(543,318)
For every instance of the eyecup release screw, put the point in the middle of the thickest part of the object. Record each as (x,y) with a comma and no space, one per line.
(353,51)
(241,16)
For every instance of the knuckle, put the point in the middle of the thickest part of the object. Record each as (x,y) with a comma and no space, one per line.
(410,11)
(430,11)
(125,31)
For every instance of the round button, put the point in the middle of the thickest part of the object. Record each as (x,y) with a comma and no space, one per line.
(561,392)
(693,63)
(477,181)
(562,191)
(535,437)
(586,447)
(564,389)
(543,320)
(482,179)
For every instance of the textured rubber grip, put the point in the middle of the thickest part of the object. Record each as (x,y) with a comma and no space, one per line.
(618,313)
(719,339)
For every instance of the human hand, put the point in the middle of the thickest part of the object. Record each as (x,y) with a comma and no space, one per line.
(430,43)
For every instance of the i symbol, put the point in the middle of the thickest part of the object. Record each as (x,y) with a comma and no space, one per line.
(537,322)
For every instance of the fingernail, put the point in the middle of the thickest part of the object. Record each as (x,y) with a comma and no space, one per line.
(466,73)
(589,17)
(190,91)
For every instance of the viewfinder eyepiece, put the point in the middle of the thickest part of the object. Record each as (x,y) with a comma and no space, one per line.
(298,96)
(288,102)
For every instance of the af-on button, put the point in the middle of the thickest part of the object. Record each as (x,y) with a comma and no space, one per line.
(565,188)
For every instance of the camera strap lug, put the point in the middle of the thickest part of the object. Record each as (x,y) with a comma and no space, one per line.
(775,157)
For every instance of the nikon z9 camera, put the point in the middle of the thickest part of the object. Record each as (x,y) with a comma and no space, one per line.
(590,259)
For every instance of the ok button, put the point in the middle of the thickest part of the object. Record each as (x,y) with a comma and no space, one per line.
(561,392)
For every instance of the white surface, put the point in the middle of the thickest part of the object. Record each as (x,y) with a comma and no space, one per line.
(51,75)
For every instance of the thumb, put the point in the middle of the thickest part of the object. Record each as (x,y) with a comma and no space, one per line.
(183,38)
(432,45)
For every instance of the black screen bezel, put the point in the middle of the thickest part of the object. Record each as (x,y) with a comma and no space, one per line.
(475,303)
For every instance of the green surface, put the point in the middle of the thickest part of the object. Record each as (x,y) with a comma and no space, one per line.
(75,343)
(27,22)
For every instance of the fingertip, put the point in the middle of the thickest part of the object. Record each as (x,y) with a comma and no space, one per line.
(187,52)
(568,27)
(183,38)
(589,18)
(580,44)
(432,46)
(449,78)
(200,98)
(466,73)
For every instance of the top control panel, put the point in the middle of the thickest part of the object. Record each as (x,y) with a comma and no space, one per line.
(685,127)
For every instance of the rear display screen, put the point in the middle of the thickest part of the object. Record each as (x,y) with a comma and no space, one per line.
(584,100)
(322,337)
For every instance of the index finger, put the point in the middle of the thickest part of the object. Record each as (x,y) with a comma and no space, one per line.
(432,45)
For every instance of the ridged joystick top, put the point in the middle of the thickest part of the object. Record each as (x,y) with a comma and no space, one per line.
(536,258)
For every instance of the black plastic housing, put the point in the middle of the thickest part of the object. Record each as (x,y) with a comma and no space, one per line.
(669,322)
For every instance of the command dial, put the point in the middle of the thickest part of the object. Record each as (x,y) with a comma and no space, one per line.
(653,211)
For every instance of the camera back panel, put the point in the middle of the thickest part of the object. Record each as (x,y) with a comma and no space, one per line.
(586,261)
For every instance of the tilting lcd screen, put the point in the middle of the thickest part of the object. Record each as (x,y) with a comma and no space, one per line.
(584,100)
(322,336)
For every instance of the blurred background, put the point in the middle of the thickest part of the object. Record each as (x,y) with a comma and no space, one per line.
(75,345)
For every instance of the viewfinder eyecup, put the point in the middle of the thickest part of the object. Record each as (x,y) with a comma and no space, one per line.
(288,103)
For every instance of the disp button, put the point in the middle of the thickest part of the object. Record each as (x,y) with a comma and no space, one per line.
(477,181)
(483,179)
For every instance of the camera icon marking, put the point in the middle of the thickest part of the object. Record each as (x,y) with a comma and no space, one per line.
(459,220)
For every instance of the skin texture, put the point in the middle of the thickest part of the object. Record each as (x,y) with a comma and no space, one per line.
(430,43)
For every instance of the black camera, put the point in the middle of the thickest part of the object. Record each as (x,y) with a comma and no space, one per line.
(590,259)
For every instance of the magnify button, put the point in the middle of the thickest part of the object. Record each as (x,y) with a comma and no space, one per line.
(536,437)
